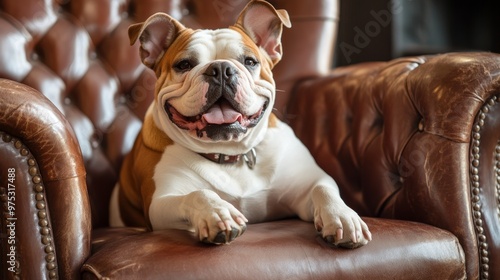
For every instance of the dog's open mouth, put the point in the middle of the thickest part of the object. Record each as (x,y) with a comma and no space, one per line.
(221,121)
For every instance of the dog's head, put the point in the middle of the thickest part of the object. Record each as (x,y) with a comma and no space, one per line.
(215,89)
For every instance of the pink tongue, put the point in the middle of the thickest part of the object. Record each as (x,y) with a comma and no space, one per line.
(221,114)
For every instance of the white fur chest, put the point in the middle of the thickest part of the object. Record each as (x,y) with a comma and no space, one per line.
(255,192)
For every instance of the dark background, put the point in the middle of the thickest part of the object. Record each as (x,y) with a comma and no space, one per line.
(379,30)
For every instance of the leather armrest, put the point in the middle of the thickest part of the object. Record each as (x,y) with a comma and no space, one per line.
(47,190)
(414,139)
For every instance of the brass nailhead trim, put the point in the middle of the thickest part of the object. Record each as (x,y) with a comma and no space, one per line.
(476,186)
(497,158)
(40,204)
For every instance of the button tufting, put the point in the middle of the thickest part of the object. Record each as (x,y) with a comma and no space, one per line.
(95,141)
(421,125)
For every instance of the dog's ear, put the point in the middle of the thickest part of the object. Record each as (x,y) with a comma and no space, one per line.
(264,25)
(156,34)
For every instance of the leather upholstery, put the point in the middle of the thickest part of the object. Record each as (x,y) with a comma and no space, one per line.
(415,139)
(292,245)
(44,147)
(412,139)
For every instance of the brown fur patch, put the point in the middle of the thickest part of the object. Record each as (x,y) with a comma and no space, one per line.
(154,138)
(164,69)
(273,120)
(137,185)
(136,176)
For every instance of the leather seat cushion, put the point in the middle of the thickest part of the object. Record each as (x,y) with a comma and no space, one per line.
(290,248)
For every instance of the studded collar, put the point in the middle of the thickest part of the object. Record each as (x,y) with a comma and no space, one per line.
(250,158)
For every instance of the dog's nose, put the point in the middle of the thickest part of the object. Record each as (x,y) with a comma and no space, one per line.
(222,78)
(220,71)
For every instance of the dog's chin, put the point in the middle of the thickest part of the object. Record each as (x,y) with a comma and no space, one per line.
(225,132)
(233,128)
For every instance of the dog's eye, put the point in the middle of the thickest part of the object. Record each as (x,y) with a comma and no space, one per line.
(183,65)
(250,62)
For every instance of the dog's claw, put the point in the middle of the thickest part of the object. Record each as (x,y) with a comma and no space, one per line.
(234,233)
(220,238)
(330,239)
(224,237)
(349,245)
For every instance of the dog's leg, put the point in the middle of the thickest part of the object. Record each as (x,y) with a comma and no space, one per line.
(312,194)
(338,223)
(213,219)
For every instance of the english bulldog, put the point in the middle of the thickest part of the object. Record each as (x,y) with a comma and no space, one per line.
(211,156)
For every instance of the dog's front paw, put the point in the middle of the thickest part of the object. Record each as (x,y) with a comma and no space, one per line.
(341,226)
(216,220)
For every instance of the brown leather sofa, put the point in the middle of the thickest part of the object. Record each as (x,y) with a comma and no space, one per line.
(413,144)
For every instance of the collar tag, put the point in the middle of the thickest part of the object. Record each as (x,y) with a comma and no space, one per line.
(250,158)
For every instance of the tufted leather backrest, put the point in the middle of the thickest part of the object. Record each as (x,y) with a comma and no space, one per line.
(393,127)
(413,139)
(77,54)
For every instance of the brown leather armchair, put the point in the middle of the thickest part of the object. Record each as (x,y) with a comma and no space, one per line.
(413,144)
